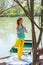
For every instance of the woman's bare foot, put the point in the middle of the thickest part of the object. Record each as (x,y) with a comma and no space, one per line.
(19,58)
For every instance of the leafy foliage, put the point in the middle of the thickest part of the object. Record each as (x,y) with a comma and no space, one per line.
(17,10)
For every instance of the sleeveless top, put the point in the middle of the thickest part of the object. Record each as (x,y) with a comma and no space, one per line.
(20,34)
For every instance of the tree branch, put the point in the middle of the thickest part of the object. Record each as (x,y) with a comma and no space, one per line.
(33,28)
(39,39)
(6,9)
(40,35)
(28,5)
(27,13)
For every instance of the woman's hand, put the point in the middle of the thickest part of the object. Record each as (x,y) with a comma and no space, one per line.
(17,32)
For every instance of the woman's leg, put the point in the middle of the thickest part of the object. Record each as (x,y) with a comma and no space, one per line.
(16,43)
(20,48)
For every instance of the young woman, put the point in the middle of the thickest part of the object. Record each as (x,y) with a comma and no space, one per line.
(20,30)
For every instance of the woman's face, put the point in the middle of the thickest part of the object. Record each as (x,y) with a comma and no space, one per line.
(20,22)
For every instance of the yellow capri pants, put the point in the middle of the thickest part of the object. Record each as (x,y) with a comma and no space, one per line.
(19,44)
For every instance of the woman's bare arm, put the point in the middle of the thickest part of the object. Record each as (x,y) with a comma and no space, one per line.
(25,30)
(16,30)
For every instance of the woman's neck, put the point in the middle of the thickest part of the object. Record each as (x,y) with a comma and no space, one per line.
(20,25)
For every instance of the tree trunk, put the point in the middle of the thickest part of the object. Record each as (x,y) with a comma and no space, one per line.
(42,14)
(33,33)
(42,20)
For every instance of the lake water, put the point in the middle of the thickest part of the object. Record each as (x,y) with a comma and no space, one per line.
(8,33)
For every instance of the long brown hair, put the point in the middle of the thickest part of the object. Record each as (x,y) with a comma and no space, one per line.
(18,20)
